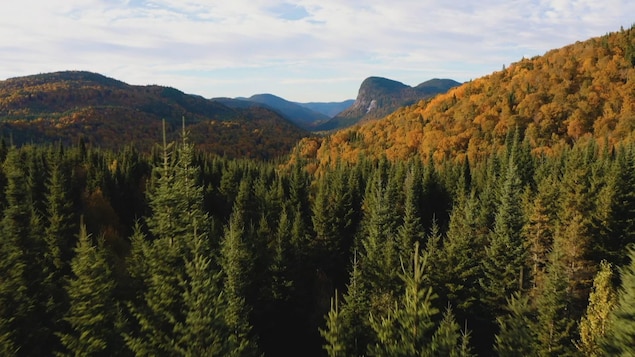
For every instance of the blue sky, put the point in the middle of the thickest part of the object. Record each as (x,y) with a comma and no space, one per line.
(309,50)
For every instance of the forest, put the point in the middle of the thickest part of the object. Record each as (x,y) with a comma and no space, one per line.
(495,220)
(178,252)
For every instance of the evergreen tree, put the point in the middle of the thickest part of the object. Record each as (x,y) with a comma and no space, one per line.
(354,313)
(408,327)
(168,263)
(411,230)
(93,315)
(456,270)
(554,321)
(620,336)
(504,263)
(539,229)
(236,260)
(19,327)
(448,339)
(517,335)
(333,332)
(202,332)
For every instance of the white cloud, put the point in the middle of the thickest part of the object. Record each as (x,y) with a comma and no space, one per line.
(301,50)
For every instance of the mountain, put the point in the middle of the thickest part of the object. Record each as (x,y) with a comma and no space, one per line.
(302,116)
(110,113)
(584,91)
(330,109)
(378,97)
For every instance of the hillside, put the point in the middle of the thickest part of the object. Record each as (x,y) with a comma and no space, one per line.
(109,113)
(378,97)
(584,90)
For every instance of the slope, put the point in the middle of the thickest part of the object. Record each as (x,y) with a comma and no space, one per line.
(109,113)
(581,91)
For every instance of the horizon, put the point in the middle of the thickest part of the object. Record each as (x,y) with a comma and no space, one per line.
(308,51)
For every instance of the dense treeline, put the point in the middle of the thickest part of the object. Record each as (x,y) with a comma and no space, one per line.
(180,253)
(63,106)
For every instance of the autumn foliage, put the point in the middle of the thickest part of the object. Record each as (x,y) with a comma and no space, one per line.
(583,90)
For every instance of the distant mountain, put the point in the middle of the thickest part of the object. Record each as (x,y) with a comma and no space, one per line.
(330,109)
(294,112)
(581,92)
(110,113)
(378,97)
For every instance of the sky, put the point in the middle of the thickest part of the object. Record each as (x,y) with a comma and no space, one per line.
(303,51)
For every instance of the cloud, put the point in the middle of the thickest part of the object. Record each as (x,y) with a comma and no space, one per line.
(324,48)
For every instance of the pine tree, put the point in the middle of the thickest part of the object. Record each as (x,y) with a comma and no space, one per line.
(620,336)
(602,300)
(93,315)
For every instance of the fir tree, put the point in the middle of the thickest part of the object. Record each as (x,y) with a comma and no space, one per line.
(93,315)
(504,264)
(236,263)
(554,321)
(408,327)
(333,333)
(517,332)
(16,302)
(620,336)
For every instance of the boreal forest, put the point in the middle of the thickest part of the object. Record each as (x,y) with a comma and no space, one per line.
(494,220)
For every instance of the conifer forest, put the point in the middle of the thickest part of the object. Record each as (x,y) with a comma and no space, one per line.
(495,220)
(178,253)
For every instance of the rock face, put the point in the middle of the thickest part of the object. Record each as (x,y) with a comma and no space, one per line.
(378,97)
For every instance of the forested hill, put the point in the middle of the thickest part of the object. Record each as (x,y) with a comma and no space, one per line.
(580,91)
(109,113)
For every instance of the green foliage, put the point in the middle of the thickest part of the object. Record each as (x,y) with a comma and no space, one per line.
(620,335)
(93,314)
(517,335)
(334,330)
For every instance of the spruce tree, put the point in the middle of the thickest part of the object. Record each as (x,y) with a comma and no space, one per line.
(408,327)
(620,336)
(333,333)
(166,263)
(555,322)
(93,314)
(517,331)
(236,263)
(448,339)
(504,263)
(16,302)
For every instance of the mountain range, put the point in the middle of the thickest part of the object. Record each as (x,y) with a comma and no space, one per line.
(110,113)
(64,106)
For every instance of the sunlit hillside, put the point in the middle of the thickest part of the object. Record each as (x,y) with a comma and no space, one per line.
(583,90)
